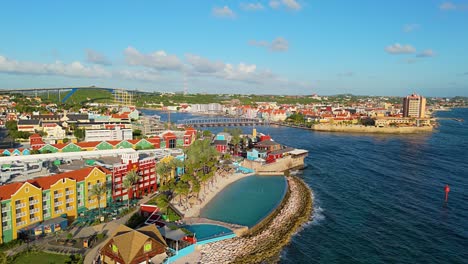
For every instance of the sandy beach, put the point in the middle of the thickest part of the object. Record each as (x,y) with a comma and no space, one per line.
(218,185)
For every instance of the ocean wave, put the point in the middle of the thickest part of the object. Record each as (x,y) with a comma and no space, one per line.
(318,216)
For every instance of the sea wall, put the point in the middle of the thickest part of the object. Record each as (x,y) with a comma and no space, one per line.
(264,242)
(372,129)
(280,165)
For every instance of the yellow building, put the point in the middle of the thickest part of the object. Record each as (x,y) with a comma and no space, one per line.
(32,203)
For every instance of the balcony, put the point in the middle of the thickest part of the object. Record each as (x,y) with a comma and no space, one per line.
(69,192)
(35,210)
(46,207)
(33,202)
(7,227)
(58,195)
(70,200)
(21,214)
(58,203)
(59,211)
(5,209)
(46,215)
(70,208)
(35,219)
(5,219)
(22,223)
(20,205)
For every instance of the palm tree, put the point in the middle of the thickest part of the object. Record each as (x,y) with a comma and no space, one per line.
(127,184)
(131,178)
(98,190)
(162,201)
(163,171)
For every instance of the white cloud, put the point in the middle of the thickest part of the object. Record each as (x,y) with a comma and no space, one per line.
(93,56)
(252,6)
(410,27)
(74,69)
(447,6)
(279,44)
(292,4)
(274,4)
(223,12)
(159,60)
(203,65)
(426,53)
(450,6)
(397,48)
(289,4)
(139,75)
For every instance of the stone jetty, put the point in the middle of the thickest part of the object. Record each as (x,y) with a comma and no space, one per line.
(264,242)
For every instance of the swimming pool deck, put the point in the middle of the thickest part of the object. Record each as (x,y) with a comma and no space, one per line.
(237,229)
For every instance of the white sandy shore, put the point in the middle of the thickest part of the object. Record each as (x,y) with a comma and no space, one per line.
(219,185)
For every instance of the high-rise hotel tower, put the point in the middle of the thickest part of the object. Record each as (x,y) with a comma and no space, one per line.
(414,106)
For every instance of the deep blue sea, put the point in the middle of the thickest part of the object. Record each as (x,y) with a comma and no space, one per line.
(380,198)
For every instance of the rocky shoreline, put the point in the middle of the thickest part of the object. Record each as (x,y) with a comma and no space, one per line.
(264,242)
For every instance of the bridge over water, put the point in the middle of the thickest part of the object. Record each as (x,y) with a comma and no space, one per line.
(69,91)
(221,121)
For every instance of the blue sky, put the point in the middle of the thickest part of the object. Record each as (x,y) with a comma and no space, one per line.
(265,47)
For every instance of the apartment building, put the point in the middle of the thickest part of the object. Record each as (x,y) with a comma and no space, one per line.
(34,203)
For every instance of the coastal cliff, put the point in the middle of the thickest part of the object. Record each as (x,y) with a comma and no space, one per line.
(264,242)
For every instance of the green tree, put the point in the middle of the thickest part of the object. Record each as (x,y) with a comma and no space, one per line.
(162,201)
(97,191)
(131,179)
(79,133)
(3,258)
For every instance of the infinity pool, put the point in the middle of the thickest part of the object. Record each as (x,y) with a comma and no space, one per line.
(247,201)
(207,231)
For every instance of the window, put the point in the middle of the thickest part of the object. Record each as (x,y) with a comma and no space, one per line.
(115,249)
(31,198)
(148,247)
(4,214)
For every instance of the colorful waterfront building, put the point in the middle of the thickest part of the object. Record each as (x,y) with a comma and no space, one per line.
(146,168)
(40,205)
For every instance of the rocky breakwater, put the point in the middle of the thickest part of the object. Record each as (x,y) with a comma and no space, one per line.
(264,242)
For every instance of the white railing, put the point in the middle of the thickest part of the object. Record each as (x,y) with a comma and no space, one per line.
(35,210)
(33,202)
(58,203)
(21,214)
(58,211)
(46,215)
(69,192)
(70,208)
(20,205)
(69,200)
(22,223)
(7,227)
(34,219)
(6,218)
(58,195)
(5,209)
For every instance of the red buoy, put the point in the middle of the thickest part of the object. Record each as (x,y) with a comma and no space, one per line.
(447,190)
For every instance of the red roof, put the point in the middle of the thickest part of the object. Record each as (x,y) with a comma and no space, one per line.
(113,142)
(169,135)
(88,144)
(35,136)
(154,140)
(133,141)
(60,145)
(120,116)
(6,191)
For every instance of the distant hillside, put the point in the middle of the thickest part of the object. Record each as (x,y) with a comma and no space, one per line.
(83,95)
